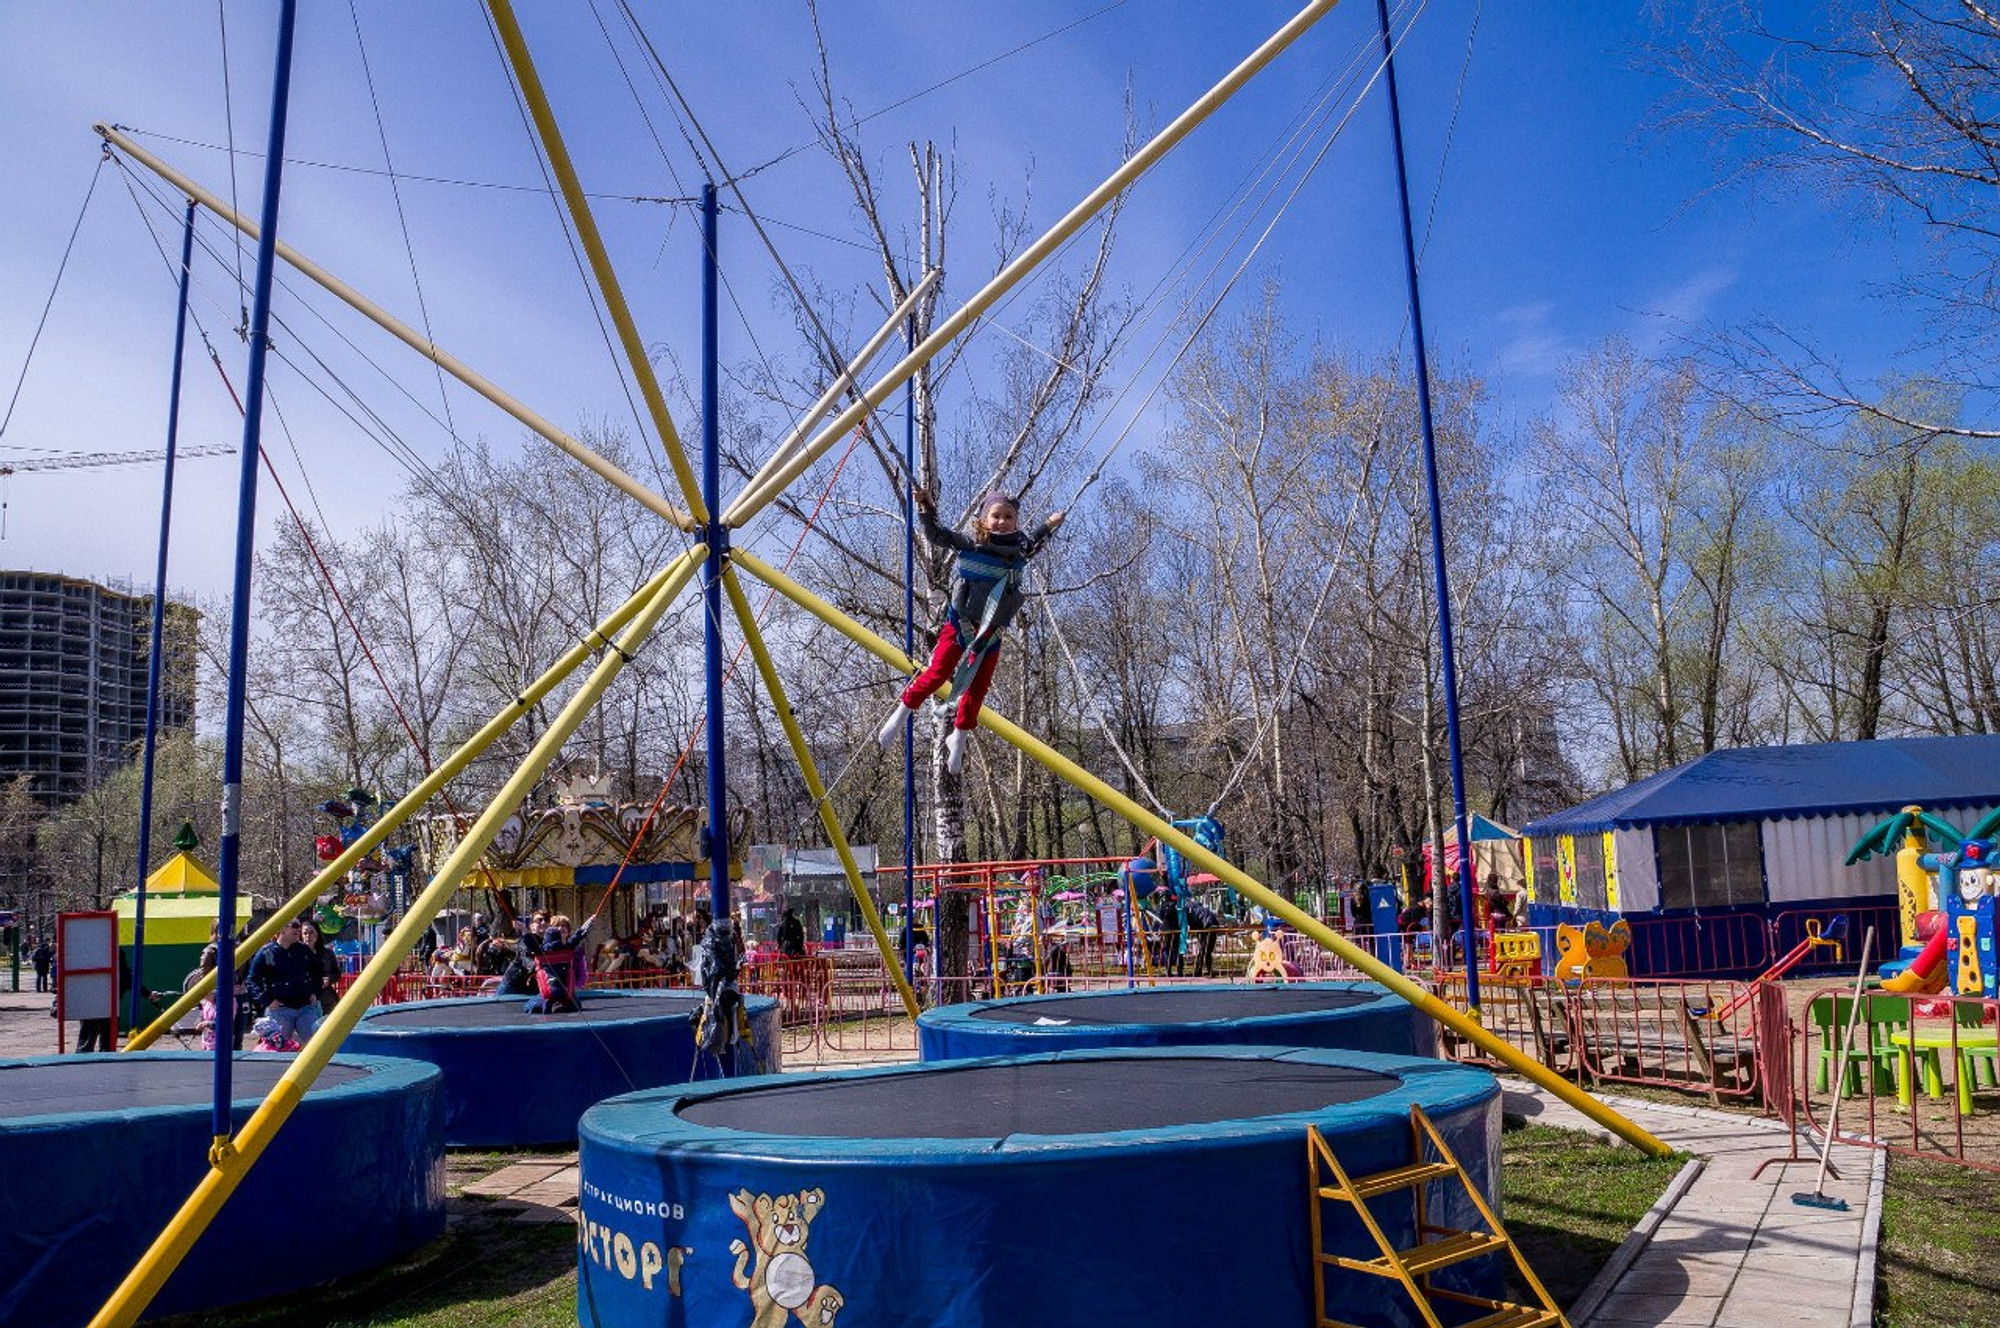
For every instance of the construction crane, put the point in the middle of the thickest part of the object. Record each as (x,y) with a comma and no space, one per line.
(87,460)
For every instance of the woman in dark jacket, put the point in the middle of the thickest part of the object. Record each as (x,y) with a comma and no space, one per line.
(325,964)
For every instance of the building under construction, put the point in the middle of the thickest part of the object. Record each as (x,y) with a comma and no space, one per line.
(73,679)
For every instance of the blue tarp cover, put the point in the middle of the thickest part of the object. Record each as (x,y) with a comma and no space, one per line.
(1817,779)
(1384,1022)
(1186,1226)
(353,1181)
(525,1081)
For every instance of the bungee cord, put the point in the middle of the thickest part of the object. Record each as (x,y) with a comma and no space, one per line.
(61,267)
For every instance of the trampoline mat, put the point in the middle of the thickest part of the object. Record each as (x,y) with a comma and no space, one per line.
(510,1012)
(1177,1005)
(1057,1097)
(120,1084)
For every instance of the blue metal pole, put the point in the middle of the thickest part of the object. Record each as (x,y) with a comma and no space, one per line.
(155,644)
(229,851)
(718,550)
(910,650)
(1440,574)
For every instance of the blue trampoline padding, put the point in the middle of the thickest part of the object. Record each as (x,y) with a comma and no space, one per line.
(1165,1226)
(513,1079)
(1356,1016)
(354,1180)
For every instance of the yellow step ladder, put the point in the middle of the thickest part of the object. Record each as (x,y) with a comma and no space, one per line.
(1437,1247)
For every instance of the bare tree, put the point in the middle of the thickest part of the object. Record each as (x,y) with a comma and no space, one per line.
(1012,437)
(1887,105)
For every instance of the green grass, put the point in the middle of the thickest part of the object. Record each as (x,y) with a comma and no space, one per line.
(486,1273)
(1571,1198)
(1939,1262)
(487,1269)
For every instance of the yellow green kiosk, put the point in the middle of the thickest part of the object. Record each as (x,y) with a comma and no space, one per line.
(181,903)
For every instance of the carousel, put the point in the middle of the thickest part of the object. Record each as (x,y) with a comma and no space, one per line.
(567,857)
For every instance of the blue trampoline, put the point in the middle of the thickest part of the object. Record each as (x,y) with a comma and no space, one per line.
(1356,1016)
(98,1152)
(1162,1187)
(513,1079)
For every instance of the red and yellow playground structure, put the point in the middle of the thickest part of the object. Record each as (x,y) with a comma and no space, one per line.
(1946,901)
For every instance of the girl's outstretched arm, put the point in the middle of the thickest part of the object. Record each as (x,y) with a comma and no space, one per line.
(934,530)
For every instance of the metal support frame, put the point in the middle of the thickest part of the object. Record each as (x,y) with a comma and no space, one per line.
(231,1158)
(155,646)
(598,638)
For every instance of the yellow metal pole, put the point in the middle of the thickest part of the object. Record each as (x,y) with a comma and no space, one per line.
(413,802)
(760,492)
(404,333)
(593,247)
(1244,884)
(732,585)
(231,1160)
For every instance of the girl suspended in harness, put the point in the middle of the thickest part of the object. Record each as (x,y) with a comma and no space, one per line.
(555,968)
(986,594)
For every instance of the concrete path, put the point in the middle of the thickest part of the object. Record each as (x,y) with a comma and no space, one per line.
(1733,1250)
(533,1191)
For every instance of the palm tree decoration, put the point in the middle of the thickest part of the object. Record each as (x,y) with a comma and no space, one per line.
(1914,828)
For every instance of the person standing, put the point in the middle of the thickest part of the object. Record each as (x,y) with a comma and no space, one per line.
(792,936)
(1173,957)
(43,956)
(284,983)
(1204,927)
(95,1034)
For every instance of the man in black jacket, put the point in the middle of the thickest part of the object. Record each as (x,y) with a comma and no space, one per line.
(792,936)
(284,983)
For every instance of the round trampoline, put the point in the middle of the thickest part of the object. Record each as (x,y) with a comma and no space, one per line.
(514,1079)
(1151,1186)
(98,1152)
(1355,1016)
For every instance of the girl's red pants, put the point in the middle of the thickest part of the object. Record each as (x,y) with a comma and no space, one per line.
(944,661)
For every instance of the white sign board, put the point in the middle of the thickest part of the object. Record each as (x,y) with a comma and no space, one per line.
(87,958)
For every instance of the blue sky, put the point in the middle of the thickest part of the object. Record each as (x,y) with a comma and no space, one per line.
(1562,216)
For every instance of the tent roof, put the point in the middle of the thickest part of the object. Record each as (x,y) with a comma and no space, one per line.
(181,875)
(1788,783)
(1483,829)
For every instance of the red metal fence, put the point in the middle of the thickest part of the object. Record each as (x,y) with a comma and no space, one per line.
(1923,1074)
(1924,1079)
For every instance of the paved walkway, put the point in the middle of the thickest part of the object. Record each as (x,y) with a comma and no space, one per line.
(1733,1250)
(532,1190)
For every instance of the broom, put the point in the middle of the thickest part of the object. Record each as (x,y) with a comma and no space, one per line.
(1818,1198)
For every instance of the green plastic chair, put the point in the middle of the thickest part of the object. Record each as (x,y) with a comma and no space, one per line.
(1887,1018)
(1978,1067)
(1829,1017)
